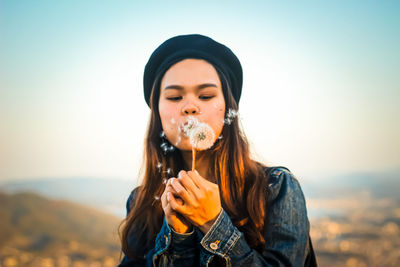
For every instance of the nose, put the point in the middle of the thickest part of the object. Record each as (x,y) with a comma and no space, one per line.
(190,109)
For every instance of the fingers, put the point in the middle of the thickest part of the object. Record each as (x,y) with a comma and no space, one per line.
(174,204)
(164,198)
(187,182)
(196,178)
(168,188)
(179,189)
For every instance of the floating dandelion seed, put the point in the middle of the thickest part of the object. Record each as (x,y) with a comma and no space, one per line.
(227,121)
(168,171)
(159,165)
(164,147)
(220,137)
(165,181)
(167,148)
(156,198)
(232,114)
(178,141)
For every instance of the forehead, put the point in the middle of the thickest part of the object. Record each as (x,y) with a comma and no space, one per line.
(190,72)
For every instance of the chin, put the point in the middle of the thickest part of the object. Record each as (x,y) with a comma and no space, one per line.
(184,147)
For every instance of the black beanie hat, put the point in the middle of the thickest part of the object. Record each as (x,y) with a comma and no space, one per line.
(193,46)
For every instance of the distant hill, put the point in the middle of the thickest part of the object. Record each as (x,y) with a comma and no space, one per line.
(109,195)
(379,184)
(35,226)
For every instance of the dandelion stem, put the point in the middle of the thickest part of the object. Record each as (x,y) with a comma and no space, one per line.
(193,158)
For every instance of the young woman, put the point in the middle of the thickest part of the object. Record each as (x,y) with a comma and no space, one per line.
(207,205)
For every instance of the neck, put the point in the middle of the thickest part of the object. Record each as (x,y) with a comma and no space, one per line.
(202,165)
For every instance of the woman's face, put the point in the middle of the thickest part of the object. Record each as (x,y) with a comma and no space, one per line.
(190,87)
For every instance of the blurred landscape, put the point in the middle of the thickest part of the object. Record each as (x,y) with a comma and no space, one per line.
(355,220)
(37,231)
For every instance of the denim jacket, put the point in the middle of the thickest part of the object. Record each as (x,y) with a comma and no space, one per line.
(286,235)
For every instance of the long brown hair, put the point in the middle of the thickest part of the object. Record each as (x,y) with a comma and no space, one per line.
(241,181)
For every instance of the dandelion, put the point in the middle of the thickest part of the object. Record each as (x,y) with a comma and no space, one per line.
(201,136)
(191,123)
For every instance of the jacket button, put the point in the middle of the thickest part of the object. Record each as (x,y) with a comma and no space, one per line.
(214,246)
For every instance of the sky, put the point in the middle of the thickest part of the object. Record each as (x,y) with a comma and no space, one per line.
(321,90)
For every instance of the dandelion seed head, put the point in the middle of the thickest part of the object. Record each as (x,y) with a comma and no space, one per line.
(189,125)
(202,137)
(156,197)
(201,134)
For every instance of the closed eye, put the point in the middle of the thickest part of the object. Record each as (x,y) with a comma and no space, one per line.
(206,97)
(176,98)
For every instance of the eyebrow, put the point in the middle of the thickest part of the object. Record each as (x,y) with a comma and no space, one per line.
(199,87)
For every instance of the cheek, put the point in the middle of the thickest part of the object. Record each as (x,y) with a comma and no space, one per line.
(218,118)
(168,121)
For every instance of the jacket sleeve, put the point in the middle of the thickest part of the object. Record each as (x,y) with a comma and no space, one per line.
(286,234)
(170,249)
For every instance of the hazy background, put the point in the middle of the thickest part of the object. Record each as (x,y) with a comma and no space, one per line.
(321,96)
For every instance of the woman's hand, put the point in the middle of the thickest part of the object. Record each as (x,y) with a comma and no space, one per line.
(201,201)
(174,220)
